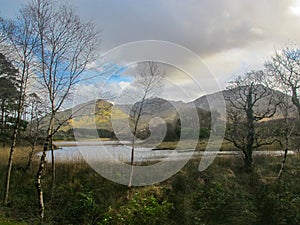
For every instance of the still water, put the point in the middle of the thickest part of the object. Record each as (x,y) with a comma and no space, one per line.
(112,150)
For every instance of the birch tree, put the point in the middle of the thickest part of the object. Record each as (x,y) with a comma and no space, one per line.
(284,68)
(20,43)
(37,111)
(284,71)
(66,45)
(148,77)
(286,131)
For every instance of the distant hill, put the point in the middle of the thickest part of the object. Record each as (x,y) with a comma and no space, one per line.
(97,114)
(203,101)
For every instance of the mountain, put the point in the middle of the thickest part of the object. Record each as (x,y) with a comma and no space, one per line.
(100,113)
(236,94)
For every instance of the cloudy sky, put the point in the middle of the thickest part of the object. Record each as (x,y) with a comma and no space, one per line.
(230,36)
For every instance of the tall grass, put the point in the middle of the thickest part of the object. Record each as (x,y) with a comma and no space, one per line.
(223,194)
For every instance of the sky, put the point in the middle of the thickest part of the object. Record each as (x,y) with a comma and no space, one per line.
(230,36)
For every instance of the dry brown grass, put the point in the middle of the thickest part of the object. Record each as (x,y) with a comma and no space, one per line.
(21,153)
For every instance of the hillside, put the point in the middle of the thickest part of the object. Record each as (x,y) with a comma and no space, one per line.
(236,94)
(99,114)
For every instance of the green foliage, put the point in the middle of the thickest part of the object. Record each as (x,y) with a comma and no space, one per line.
(9,96)
(216,204)
(141,208)
(5,222)
(204,133)
(6,67)
(279,204)
(85,209)
(210,201)
(64,135)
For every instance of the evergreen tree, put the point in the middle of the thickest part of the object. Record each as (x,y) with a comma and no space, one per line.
(9,89)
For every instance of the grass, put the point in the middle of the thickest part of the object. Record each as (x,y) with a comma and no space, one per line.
(201,145)
(222,194)
(20,154)
(5,222)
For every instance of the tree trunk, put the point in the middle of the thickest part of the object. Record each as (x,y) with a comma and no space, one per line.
(33,133)
(283,163)
(137,113)
(248,162)
(284,156)
(2,115)
(31,154)
(38,182)
(38,185)
(295,99)
(13,144)
(53,177)
(131,162)
(3,123)
(250,130)
(10,163)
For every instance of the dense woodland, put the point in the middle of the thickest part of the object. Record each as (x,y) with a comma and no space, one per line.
(43,54)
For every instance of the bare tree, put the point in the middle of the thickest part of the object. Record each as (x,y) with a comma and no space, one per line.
(2,35)
(148,80)
(20,42)
(286,108)
(36,110)
(284,71)
(284,68)
(249,102)
(65,47)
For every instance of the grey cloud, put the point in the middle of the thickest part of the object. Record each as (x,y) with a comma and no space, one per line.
(205,26)
(229,35)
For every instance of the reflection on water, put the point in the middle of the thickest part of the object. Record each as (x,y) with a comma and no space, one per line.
(110,150)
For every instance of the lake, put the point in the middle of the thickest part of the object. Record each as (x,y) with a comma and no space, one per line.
(108,150)
(113,150)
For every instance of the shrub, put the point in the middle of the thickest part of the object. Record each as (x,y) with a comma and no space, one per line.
(140,209)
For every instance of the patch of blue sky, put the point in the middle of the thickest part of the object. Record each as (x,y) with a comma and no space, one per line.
(109,72)
(117,78)
(292,54)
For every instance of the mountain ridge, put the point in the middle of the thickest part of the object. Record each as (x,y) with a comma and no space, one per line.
(101,111)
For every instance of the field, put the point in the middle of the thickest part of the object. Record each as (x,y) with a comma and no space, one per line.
(223,194)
